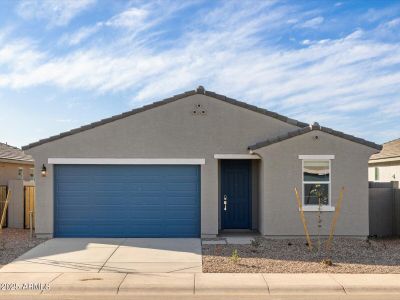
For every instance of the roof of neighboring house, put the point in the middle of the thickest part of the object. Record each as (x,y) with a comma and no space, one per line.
(199,90)
(13,154)
(390,150)
(310,128)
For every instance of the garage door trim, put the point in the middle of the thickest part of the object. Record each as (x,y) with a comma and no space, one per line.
(127,161)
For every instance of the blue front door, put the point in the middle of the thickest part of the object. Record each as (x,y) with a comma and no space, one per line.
(235,194)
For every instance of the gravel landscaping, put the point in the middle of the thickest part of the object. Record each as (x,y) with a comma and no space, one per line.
(292,256)
(15,242)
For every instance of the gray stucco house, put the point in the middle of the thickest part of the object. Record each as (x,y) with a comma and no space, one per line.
(197,164)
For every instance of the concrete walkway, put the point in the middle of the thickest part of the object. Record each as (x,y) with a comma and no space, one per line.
(161,284)
(126,255)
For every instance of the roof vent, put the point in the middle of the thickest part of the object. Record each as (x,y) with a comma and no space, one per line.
(315,126)
(200,89)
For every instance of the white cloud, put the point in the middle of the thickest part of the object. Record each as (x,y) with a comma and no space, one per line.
(130,18)
(312,23)
(306,42)
(56,12)
(394,22)
(19,55)
(326,80)
(73,39)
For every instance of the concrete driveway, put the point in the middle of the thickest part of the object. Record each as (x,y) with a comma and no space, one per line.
(126,255)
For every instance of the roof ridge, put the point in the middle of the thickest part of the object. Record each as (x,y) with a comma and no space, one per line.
(310,128)
(391,141)
(200,90)
(11,146)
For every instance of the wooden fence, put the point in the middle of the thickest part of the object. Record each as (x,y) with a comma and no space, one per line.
(29,206)
(3,196)
(384,209)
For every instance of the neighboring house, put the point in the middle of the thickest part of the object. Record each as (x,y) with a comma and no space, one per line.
(14,164)
(198,164)
(16,171)
(385,165)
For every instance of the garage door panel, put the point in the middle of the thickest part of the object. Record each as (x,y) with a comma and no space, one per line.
(108,230)
(146,230)
(109,186)
(185,231)
(130,201)
(74,229)
(103,213)
(72,186)
(118,199)
(181,200)
(180,213)
(72,199)
(71,213)
(155,214)
(144,200)
(182,187)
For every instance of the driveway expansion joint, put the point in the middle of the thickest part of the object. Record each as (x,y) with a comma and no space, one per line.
(266,282)
(111,255)
(119,286)
(334,279)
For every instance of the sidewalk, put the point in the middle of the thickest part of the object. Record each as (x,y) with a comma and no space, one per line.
(201,284)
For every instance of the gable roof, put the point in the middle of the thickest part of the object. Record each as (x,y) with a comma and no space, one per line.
(13,154)
(199,90)
(310,128)
(390,149)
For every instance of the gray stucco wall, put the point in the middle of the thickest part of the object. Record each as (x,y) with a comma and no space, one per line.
(282,172)
(168,131)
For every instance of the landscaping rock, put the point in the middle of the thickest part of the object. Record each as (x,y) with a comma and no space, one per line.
(15,242)
(347,255)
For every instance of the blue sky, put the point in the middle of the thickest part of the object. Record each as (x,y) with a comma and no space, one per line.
(64,64)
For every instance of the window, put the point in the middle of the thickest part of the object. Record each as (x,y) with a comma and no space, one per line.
(376,173)
(316,183)
(20,173)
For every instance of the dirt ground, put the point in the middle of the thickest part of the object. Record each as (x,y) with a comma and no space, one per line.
(293,256)
(15,242)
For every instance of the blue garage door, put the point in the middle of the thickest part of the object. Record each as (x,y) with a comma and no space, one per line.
(127,201)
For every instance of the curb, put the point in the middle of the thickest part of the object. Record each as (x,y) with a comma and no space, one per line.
(199,284)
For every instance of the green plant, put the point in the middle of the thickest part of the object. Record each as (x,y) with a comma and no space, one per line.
(327,262)
(235,256)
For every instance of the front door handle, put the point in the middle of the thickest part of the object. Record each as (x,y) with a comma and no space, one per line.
(225,202)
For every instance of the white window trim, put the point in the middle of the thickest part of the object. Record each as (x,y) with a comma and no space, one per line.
(328,207)
(315,208)
(127,161)
(316,157)
(236,156)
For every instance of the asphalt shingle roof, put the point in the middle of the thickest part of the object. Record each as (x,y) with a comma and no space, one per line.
(310,128)
(8,152)
(390,150)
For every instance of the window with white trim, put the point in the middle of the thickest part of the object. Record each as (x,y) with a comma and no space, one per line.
(376,173)
(316,182)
